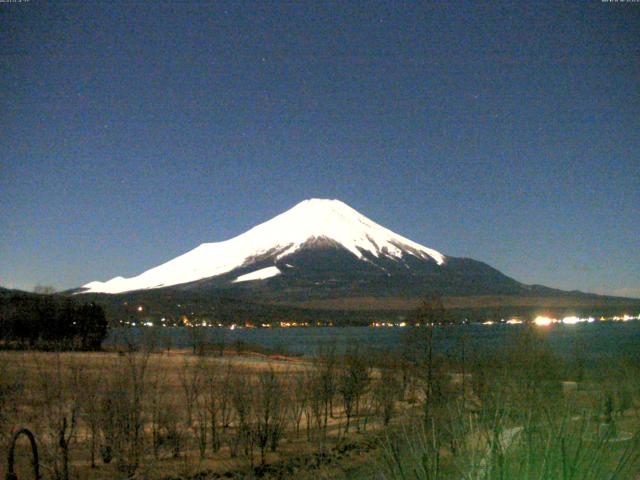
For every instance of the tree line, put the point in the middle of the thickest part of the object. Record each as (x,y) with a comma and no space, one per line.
(50,322)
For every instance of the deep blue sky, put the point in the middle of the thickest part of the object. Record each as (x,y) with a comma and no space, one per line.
(131,132)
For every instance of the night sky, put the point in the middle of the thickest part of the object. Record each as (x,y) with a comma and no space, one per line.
(131,132)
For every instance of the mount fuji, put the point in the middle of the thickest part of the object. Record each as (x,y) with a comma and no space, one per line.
(323,259)
(318,246)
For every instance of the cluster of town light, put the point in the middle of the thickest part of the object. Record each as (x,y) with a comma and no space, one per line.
(389,324)
(541,321)
(184,321)
(545,321)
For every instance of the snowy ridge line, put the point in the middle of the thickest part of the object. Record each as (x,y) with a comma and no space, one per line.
(281,236)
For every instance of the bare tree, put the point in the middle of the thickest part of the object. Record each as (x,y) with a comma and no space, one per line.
(299,398)
(430,313)
(122,418)
(137,367)
(197,339)
(156,397)
(193,387)
(90,410)
(353,379)
(60,396)
(326,361)
(320,393)
(213,401)
(385,393)
(269,411)
(224,401)
(242,403)
(217,400)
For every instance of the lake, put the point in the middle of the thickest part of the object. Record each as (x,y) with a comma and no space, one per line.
(592,340)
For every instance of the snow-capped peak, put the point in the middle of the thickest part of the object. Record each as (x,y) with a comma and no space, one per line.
(314,219)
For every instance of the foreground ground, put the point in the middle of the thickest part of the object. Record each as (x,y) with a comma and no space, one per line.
(173,414)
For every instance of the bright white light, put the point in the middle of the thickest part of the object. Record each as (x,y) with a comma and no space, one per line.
(543,321)
(570,320)
(140,308)
(591,319)
(488,322)
(514,321)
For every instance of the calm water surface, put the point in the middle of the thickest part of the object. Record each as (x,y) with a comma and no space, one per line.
(595,340)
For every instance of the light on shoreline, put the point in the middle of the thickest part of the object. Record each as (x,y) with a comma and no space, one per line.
(571,320)
(543,321)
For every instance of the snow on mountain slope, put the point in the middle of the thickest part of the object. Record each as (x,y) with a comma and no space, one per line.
(282,235)
(258,275)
